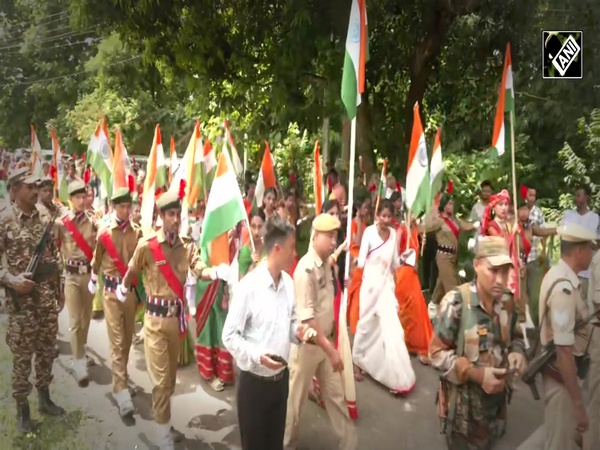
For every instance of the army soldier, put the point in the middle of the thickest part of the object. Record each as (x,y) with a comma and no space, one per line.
(561,307)
(313,285)
(165,258)
(77,235)
(32,307)
(474,344)
(114,248)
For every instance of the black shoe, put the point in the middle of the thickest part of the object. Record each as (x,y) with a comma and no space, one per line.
(24,424)
(46,405)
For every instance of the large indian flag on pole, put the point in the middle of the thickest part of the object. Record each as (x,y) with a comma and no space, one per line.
(224,210)
(505,104)
(353,77)
(229,146)
(36,153)
(60,180)
(100,156)
(266,176)
(150,183)
(436,170)
(417,177)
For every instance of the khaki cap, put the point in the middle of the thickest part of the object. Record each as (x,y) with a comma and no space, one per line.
(576,233)
(46,181)
(494,249)
(325,223)
(169,200)
(121,195)
(76,187)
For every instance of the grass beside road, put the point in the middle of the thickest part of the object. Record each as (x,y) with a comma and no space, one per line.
(62,433)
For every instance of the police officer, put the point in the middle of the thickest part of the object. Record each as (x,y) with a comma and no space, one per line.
(593,299)
(114,249)
(313,285)
(165,319)
(33,308)
(77,234)
(561,306)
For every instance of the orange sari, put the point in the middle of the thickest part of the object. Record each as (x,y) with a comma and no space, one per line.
(412,309)
(355,282)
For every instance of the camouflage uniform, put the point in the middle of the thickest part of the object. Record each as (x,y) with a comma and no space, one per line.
(33,318)
(479,418)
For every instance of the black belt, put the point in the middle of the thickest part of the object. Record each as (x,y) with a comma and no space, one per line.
(169,310)
(274,378)
(446,250)
(78,268)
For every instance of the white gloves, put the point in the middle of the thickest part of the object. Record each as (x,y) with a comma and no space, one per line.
(121,293)
(221,272)
(93,283)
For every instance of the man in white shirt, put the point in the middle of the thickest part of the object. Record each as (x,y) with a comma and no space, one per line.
(261,325)
(582,216)
(484,198)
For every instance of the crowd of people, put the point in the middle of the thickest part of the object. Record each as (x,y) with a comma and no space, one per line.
(271,320)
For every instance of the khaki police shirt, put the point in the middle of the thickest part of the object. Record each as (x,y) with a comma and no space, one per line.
(313,286)
(443,233)
(125,242)
(593,300)
(182,256)
(69,248)
(562,308)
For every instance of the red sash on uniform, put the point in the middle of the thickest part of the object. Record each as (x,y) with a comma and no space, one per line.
(452,227)
(78,237)
(167,272)
(109,245)
(526,242)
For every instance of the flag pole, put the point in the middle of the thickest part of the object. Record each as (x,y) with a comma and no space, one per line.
(350,207)
(514,166)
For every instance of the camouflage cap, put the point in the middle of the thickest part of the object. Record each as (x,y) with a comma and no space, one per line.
(21,175)
(169,200)
(77,187)
(494,249)
(121,195)
(576,233)
(325,223)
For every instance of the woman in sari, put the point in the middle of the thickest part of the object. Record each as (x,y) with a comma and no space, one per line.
(249,258)
(379,347)
(412,307)
(359,225)
(447,230)
(496,222)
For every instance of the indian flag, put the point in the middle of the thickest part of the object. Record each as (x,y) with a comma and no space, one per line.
(36,152)
(121,168)
(436,170)
(266,176)
(353,78)
(230,147)
(417,177)
(173,161)
(60,180)
(150,183)
(318,179)
(224,210)
(100,156)
(506,104)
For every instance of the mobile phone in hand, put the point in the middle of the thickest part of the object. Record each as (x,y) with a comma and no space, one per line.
(278,359)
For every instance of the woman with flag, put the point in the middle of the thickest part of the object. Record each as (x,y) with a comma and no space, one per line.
(379,347)
(447,230)
(250,257)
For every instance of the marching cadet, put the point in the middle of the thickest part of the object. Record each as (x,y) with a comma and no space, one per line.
(561,307)
(77,234)
(46,197)
(114,248)
(32,308)
(313,285)
(165,258)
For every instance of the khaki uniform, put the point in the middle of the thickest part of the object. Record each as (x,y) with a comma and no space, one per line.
(314,300)
(560,309)
(78,299)
(164,314)
(446,259)
(593,441)
(120,317)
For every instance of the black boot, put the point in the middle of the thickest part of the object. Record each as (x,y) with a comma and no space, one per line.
(46,405)
(24,418)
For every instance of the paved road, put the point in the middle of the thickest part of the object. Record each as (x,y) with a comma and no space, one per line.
(209,422)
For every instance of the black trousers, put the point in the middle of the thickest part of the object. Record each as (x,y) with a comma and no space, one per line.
(262,409)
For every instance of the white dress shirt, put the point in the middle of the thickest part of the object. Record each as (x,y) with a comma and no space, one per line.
(261,320)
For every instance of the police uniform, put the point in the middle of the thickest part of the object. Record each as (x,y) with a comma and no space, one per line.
(593,298)
(561,306)
(313,285)
(32,317)
(165,318)
(120,316)
(77,277)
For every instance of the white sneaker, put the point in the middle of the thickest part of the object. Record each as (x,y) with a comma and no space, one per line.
(164,437)
(81,370)
(123,399)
